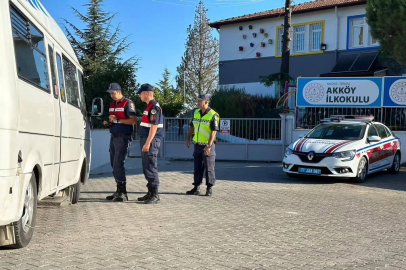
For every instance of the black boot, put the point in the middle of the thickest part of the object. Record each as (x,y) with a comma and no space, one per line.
(209,191)
(146,197)
(111,197)
(122,195)
(194,191)
(154,198)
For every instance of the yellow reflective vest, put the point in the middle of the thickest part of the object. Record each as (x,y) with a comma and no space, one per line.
(202,126)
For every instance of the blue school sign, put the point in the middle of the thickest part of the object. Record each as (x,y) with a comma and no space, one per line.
(339,92)
(394,92)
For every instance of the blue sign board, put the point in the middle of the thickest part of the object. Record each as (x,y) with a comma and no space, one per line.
(394,92)
(340,92)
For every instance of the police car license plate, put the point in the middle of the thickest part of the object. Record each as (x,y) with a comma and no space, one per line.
(309,170)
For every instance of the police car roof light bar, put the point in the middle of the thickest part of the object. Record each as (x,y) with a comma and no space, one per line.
(353,118)
(336,118)
(360,117)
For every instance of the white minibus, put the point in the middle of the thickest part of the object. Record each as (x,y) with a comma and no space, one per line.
(45,145)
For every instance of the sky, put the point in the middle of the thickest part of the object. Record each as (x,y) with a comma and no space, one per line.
(157,28)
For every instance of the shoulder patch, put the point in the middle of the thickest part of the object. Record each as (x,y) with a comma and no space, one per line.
(153,111)
(132,105)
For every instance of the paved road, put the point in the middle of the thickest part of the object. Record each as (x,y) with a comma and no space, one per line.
(257,219)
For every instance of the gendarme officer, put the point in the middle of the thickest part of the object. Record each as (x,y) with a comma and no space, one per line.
(122,119)
(204,126)
(151,132)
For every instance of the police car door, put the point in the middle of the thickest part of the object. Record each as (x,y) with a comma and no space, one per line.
(386,147)
(374,150)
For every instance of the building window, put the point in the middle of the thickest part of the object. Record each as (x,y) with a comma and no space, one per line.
(373,41)
(315,36)
(299,39)
(306,38)
(29,48)
(280,39)
(359,34)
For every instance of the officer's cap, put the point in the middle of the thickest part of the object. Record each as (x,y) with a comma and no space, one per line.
(113,87)
(204,97)
(145,87)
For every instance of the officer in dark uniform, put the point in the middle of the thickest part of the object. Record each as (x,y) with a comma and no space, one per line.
(151,133)
(203,128)
(122,119)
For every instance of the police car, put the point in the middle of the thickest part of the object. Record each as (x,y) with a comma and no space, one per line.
(344,146)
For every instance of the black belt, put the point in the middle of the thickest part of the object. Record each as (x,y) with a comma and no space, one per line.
(117,135)
(202,144)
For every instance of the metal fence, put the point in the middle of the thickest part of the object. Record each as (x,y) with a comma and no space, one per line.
(394,118)
(242,130)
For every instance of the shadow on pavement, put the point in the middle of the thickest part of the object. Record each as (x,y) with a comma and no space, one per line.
(273,173)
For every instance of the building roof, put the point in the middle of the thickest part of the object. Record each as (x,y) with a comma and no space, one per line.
(300,8)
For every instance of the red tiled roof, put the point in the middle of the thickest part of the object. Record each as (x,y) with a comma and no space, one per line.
(300,8)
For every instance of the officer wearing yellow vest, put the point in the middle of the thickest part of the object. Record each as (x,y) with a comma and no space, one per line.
(204,126)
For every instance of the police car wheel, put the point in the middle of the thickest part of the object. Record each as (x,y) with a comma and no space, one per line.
(362,170)
(24,228)
(396,164)
(75,192)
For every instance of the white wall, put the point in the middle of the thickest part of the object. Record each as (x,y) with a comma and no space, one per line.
(231,37)
(100,147)
(402,136)
(254,88)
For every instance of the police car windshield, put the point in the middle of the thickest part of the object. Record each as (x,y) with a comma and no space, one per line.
(338,132)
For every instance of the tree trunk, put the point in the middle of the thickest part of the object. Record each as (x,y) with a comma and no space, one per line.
(286,44)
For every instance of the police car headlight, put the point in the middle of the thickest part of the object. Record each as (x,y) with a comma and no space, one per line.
(348,155)
(288,152)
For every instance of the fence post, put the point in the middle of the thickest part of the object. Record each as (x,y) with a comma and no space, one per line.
(283,132)
(289,127)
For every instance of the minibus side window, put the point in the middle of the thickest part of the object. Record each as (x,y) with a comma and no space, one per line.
(71,82)
(29,48)
(60,75)
(53,74)
(82,91)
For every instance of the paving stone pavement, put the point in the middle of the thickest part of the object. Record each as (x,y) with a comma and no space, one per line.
(257,219)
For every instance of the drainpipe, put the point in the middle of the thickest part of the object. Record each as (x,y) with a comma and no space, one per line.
(338,32)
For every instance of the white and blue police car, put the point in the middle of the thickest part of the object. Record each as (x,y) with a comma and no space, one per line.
(344,146)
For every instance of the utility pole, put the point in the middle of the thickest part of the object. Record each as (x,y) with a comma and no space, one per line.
(286,44)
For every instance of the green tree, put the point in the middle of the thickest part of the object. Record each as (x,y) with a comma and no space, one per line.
(99,52)
(167,96)
(198,71)
(386,20)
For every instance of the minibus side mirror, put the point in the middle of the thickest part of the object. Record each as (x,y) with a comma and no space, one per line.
(97,107)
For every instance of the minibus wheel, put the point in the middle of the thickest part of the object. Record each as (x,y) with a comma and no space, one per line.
(24,228)
(75,192)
